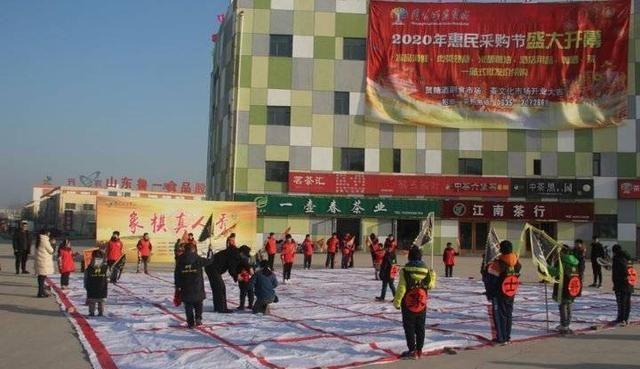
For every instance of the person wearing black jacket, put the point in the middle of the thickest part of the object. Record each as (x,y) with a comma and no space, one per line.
(597,251)
(190,284)
(388,262)
(245,272)
(622,287)
(96,282)
(226,260)
(22,247)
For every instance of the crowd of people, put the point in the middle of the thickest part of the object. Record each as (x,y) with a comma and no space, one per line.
(257,281)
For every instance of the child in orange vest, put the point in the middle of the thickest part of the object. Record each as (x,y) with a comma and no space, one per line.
(66,264)
(287,256)
(307,248)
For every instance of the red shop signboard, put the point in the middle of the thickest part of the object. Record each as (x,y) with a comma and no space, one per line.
(629,188)
(489,210)
(398,185)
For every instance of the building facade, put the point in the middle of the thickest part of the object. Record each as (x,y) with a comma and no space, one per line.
(72,210)
(288,111)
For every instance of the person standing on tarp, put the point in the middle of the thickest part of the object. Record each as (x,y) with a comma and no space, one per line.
(270,247)
(144,250)
(22,247)
(332,248)
(597,251)
(115,249)
(190,283)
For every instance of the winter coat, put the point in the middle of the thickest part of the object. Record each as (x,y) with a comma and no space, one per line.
(22,241)
(44,256)
(96,279)
(114,250)
(332,244)
(597,251)
(496,271)
(347,246)
(144,247)
(288,254)
(388,261)
(418,272)
(264,283)
(378,254)
(66,263)
(188,276)
(270,246)
(225,260)
(392,244)
(449,256)
(619,275)
(307,247)
(245,270)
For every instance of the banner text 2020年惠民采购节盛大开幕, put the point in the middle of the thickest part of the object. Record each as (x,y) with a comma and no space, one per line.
(468,65)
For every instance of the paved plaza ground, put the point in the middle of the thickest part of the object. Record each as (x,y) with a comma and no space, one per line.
(37,334)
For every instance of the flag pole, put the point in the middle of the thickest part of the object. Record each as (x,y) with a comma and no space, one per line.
(546,304)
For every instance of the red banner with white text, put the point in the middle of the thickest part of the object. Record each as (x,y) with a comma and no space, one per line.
(398,185)
(498,65)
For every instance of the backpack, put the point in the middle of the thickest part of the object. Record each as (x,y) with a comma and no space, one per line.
(415,300)
(632,276)
(510,283)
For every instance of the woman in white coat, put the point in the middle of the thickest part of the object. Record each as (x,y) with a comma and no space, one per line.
(44,260)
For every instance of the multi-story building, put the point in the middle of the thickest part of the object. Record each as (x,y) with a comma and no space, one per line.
(288,114)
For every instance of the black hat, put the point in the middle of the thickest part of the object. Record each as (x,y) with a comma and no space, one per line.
(506,247)
(415,254)
(616,248)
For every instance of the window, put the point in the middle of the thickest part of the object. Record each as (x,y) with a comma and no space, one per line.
(397,161)
(537,167)
(279,115)
(113,193)
(87,207)
(69,206)
(470,166)
(596,164)
(276,171)
(354,48)
(341,103)
(353,160)
(605,226)
(280,45)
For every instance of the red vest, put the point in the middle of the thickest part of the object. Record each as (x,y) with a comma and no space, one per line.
(144,247)
(449,256)
(114,250)
(65,260)
(332,244)
(271,246)
(288,251)
(307,246)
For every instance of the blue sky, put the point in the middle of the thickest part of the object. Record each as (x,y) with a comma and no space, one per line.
(116,86)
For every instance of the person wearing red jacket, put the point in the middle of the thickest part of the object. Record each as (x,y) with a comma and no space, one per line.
(332,247)
(307,248)
(377,253)
(449,260)
(287,255)
(114,249)
(144,250)
(66,265)
(391,243)
(270,247)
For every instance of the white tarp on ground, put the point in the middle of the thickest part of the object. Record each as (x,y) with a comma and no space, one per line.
(325,318)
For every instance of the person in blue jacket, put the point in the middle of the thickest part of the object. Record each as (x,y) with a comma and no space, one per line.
(264,283)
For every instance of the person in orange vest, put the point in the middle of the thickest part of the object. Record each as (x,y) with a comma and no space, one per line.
(449,259)
(378,255)
(144,250)
(270,247)
(307,248)
(332,247)
(114,249)
(66,265)
(347,250)
(501,279)
(287,256)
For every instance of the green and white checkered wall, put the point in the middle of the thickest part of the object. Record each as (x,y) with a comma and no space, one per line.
(307,82)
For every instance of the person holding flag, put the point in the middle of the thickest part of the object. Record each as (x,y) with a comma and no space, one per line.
(501,278)
(568,286)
